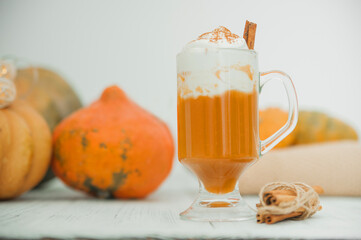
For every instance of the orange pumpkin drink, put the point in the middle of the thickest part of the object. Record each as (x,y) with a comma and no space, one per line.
(217,137)
(217,117)
(218,84)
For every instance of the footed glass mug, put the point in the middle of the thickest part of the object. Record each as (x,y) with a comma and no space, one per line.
(218,132)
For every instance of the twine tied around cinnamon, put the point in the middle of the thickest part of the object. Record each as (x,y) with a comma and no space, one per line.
(306,200)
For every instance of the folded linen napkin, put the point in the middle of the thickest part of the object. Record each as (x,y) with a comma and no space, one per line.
(335,166)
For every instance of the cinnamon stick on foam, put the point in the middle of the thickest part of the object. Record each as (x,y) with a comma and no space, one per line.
(249,34)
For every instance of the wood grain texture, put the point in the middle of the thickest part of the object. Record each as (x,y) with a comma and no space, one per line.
(58,212)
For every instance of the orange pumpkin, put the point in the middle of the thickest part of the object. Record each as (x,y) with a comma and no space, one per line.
(271,120)
(25,149)
(113,148)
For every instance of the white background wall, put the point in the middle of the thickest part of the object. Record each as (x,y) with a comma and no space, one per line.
(134,43)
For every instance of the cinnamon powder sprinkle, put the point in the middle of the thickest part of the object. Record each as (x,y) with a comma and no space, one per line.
(219,34)
(199,89)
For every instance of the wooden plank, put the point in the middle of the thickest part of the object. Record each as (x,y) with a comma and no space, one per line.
(58,212)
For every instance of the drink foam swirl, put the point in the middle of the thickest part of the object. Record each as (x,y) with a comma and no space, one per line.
(206,68)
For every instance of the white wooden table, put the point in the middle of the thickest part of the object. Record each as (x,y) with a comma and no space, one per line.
(58,212)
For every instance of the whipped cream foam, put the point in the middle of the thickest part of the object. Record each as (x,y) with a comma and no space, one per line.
(211,65)
(220,37)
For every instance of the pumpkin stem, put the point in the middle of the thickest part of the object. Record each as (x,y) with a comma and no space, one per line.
(7,87)
(113,93)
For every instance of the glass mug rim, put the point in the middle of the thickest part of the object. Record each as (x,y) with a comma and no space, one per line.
(217,49)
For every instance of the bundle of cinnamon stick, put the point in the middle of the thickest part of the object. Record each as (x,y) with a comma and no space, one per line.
(281,198)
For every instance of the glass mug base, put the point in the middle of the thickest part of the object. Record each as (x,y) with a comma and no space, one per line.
(219,208)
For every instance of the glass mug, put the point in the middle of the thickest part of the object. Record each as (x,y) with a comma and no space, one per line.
(218,128)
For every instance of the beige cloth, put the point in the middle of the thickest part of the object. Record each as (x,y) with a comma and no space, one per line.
(334,166)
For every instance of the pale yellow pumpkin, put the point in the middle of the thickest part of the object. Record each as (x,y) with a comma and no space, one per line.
(25,149)
(50,94)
